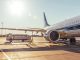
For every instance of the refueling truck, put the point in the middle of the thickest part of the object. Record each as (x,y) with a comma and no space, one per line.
(23,37)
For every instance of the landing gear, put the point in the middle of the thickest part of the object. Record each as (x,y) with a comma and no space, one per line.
(72,41)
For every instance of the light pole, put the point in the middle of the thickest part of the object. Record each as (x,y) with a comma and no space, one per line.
(2,28)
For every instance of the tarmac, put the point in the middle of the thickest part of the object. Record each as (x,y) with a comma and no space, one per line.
(40,49)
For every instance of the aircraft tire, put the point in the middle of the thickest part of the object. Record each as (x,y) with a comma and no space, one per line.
(72,41)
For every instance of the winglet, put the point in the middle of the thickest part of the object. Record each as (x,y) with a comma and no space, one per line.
(45,20)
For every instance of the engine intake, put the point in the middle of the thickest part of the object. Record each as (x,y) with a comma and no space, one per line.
(52,35)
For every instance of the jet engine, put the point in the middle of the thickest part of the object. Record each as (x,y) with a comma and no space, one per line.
(54,35)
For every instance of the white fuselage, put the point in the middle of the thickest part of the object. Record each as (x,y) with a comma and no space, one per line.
(67,24)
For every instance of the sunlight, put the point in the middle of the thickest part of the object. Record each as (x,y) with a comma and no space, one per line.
(16,7)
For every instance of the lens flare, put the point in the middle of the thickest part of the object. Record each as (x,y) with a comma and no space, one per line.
(16,7)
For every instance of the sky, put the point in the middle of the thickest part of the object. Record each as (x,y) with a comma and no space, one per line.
(29,13)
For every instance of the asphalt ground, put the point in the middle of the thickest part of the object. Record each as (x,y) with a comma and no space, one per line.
(40,49)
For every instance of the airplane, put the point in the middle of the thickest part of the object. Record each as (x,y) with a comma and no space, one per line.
(67,29)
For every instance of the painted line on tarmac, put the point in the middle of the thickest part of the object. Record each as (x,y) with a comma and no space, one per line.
(8,58)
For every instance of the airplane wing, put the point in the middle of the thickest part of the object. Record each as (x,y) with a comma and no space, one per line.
(42,30)
(28,29)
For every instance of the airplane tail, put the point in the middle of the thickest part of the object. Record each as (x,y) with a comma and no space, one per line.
(45,20)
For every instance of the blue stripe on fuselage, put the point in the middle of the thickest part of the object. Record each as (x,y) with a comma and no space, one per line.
(71,27)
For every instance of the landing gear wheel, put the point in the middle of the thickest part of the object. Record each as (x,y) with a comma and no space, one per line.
(72,41)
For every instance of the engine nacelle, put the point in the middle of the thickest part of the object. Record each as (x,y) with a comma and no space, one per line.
(55,35)
(52,35)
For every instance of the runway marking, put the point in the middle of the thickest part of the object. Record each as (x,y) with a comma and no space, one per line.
(6,55)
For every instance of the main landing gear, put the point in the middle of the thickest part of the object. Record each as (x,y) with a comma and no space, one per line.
(72,41)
